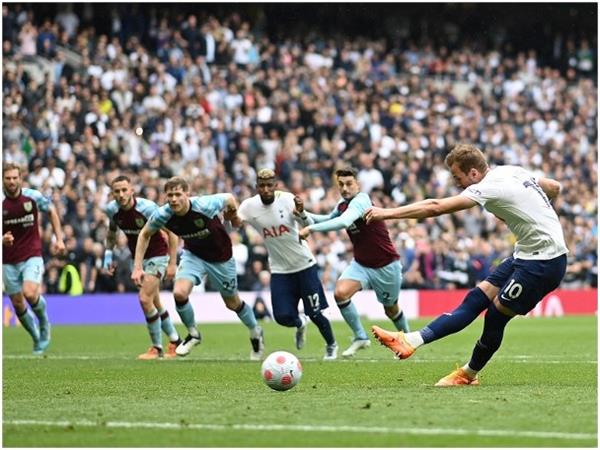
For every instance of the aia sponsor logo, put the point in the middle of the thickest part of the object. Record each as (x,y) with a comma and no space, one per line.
(275,231)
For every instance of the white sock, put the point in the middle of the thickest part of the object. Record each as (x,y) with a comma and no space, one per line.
(472,373)
(193,331)
(414,339)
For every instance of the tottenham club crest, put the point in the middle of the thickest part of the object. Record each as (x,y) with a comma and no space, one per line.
(199,223)
(28,206)
(139,222)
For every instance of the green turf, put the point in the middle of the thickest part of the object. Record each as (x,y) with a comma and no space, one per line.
(540,390)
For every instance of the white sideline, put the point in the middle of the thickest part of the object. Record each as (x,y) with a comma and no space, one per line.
(317,428)
(512,359)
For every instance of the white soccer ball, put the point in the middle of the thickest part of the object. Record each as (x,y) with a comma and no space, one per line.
(281,371)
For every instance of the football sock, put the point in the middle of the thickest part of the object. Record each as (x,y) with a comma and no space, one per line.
(400,322)
(472,373)
(40,311)
(28,322)
(414,339)
(474,304)
(167,325)
(246,315)
(350,315)
(491,338)
(324,328)
(153,324)
(186,312)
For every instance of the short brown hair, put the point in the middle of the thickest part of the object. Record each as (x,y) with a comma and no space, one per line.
(346,172)
(467,157)
(11,166)
(175,182)
(120,178)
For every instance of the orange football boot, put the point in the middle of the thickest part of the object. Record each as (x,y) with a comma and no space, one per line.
(152,353)
(394,340)
(458,377)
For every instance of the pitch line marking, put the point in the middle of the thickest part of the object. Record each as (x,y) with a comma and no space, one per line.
(315,428)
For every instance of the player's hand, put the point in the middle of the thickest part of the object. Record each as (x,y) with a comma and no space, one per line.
(60,248)
(8,239)
(171,270)
(374,214)
(137,276)
(304,233)
(299,203)
(230,213)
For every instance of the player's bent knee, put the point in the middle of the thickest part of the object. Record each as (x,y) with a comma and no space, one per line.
(180,296)
(18,302)
(284,320)
(232,303)
(341,295)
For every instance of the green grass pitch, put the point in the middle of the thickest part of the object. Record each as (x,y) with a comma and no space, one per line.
(540,390)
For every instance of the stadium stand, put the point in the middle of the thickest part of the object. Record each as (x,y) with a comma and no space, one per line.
(214,96)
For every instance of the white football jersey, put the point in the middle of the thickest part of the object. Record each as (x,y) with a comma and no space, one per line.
(277,225)
(512,194)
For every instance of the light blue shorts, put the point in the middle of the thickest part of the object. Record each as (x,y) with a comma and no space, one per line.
(221,274)
(15,274)
(385,281)
(156,266)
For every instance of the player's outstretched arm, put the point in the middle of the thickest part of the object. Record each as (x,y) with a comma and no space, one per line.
(137,276)
(57,228)
(550,187)
(420,210)
(337,223)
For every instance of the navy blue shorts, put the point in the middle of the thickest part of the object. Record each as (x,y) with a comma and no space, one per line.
(288,288)
(523,283)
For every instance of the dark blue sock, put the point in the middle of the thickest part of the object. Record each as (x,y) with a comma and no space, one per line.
(491,338)
(474,304)
(324,327)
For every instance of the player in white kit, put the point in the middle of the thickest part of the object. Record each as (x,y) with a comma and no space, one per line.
(522,201)
(294,274)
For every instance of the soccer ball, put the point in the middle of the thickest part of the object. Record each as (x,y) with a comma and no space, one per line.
(281,371)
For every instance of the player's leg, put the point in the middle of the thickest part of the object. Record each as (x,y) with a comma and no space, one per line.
(476,301)
(530,282)
(224,275)
(189,273)
(315,301)
(181,293)
(285,296)
(32,272)
(167,326)
(26,318)
(352,280)
(147,292)
(157,267)
(386,282)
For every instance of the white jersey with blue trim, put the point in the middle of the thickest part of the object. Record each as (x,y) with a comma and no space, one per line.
(513,194)
(278,226)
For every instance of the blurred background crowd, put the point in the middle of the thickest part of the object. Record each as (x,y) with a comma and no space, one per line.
(216,92)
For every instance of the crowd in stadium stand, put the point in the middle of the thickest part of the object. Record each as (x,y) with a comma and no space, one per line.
(214,100)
